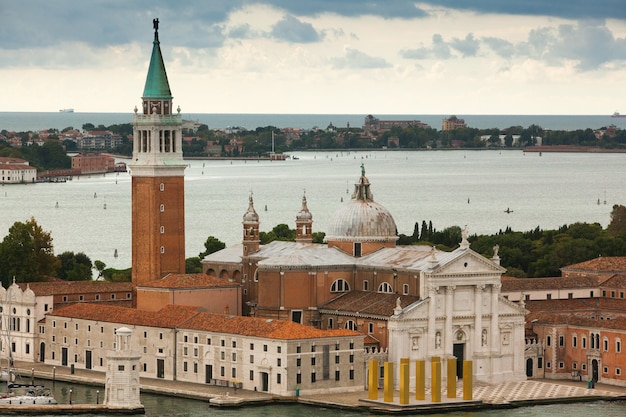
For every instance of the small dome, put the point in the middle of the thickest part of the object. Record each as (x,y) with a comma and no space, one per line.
(362,219)
(304,213)
(250,215)
(29,294)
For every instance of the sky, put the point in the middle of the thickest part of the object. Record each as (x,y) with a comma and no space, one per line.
(456,57)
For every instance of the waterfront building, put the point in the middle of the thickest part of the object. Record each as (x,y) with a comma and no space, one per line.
(98,140)
(452,122)
(464,316)
(23,306)
(157,170)
(16,171)
(373,126)
(91,163)
(185,343)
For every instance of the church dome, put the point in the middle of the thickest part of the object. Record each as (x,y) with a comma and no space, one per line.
(304,213)
(362,219)
(250,215)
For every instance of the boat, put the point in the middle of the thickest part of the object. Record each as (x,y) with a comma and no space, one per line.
(27,394)
(66,110)
(508,210)
(616,114)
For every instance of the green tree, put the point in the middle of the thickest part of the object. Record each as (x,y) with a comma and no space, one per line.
(26,253)
(193,265)
(212,244)
(74,267)
(99,265)
(617,226)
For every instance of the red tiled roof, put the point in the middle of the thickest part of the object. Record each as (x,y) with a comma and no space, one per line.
(600,264)
(60,287)
(616,281)
(617,323)
(169,316)
(260,327)
(190,281)
(368,303)
(521,284)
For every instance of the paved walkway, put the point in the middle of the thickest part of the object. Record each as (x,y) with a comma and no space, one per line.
(506,394)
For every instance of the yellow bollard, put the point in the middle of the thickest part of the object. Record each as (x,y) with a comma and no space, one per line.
(435,381)
(467,380)
(388,394)
(451,378)
(372,379)
(420,380)
(404,382)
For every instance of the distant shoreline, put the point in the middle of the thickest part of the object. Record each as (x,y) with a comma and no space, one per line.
(568,148)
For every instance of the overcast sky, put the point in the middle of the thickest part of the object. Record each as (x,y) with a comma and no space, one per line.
(319,56)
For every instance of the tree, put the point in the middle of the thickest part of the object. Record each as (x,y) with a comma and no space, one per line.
(211,245)
(26,253)
(99,265)
(74,267)
(193,265)
(617,226)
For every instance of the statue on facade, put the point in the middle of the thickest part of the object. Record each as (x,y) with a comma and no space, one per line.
(437,340)
(484,338)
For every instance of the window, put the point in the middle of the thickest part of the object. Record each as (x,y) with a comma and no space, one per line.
(366,285)
(298,362)
(251,375)
(605,370)
(161,186)
(561,340)
(298,349)
(278,349)
(251,358)
(208,340)
(570,295)
(162,249)
(312,348)
(561,365)
(278,362)
(618,371)
(539,363)
(405,289)
(584,342)
(233,372)
(548,364)
(351,374)
(234,344)
(583,366)
(312,376)
(185,338)
(337,375)
(337,359)
(352,358)
(97,297)
(222,342)
(618,345)
(313,361)
(350,325)
(331,323)
(340,285)
(278,378)
(574,341)
(351,345)
(357,249)
(574,365)
(162,229)
(385,288)
(298,377)
(605,343)
(264,348)
(548,296)
(81,298)
(526,297)
(251,346)
(370,328)
(590,294)
(112,296)
(195,367)
(604,293)
(162,208)
(184,366)
(548,340)
(64,298)
(234,355)
(222,355)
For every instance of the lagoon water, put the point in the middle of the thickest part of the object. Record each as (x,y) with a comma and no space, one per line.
(449,188)
(158,405)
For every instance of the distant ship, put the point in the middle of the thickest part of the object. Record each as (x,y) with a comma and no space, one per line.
(616,114)
(66,110)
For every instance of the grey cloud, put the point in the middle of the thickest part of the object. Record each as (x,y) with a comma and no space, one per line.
(501,47)
(467,47)
(291,29)
(439,50)
(356,59)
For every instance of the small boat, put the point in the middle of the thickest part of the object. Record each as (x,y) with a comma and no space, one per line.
(66,110)
(616,114)
(508,210)
(27,394)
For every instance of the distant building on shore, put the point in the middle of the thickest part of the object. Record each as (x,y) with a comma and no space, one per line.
(93,163)
(374,126)
(452,123)
(16,171)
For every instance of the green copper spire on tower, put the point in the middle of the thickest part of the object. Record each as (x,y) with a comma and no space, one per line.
(157,85)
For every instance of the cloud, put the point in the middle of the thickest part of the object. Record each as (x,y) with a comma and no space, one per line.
(467,47)
(439,50)
(501,47)
(291,29)
(356,59)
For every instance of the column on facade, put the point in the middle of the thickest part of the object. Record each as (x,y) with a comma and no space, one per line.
(432,313)
(478,318)
(495,315)
(447,340)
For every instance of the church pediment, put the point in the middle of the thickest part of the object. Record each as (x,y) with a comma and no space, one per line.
(465,261)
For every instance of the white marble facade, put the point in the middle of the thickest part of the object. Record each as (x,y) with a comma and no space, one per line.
(462,315)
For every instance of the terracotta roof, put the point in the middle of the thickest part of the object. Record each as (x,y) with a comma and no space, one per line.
(260,327)
(367,303)
(618,323)
(190,281)
(60,287)
(169,316)
(521,284)
(9,160)
(616,281)
(597,304)
(600,264)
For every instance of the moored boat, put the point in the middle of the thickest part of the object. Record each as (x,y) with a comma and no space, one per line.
(27,394)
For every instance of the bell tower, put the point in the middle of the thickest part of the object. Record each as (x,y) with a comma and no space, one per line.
(304,223)
(157,170)
(251,239)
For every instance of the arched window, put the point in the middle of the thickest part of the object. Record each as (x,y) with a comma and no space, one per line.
(405,289)
(350,325)
(385,287)
(340,285)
